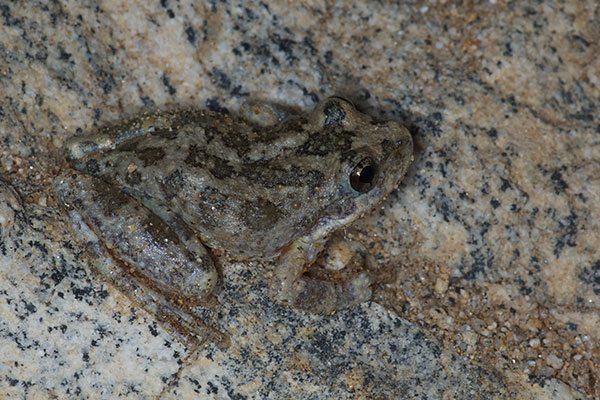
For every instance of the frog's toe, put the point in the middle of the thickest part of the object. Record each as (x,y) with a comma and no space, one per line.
(357,290)
(326,297)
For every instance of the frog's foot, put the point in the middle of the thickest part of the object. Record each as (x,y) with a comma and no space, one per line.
(158,266)
(326,297)
(323,292)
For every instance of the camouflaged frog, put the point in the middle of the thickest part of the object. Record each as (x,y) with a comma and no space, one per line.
(150,197)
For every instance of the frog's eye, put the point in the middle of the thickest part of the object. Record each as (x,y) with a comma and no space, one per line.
(362,178)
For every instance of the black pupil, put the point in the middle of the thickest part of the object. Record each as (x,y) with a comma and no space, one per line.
(367,174)
(363,176)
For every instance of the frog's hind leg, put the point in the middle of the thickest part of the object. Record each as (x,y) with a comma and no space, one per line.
(181,323)
(163,272)
(292,287)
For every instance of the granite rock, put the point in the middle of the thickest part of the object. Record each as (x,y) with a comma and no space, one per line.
(492,237)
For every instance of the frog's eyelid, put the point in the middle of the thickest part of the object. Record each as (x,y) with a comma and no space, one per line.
(343,99)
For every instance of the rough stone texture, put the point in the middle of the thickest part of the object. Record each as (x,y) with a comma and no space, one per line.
(493,235)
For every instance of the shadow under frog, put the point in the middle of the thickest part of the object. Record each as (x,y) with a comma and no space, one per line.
(149,197)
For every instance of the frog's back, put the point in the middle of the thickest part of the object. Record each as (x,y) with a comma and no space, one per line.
(244,189)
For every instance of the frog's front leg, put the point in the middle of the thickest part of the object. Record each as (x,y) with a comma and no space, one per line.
(292,287)
(162,267)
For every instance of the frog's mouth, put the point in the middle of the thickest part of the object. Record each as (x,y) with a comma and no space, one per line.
(339,211)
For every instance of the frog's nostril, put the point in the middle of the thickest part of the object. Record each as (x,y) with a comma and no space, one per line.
(362,178)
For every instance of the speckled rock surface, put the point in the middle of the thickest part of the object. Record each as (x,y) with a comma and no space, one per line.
(493,235)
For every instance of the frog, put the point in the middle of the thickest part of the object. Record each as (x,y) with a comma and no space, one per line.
(158,199)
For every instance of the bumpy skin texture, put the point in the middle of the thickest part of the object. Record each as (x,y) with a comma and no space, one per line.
(150,194)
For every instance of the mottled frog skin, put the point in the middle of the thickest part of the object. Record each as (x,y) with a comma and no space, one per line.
(148,198)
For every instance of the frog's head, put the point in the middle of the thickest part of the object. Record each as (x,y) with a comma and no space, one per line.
(370,161)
